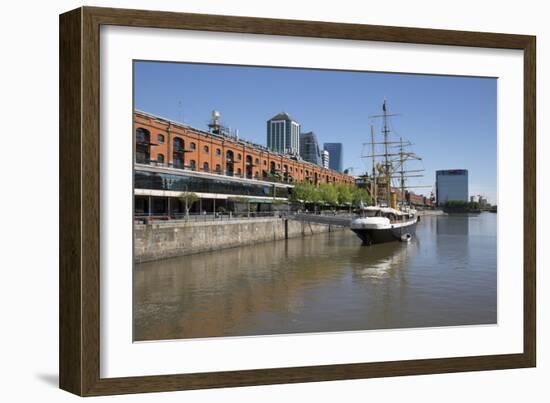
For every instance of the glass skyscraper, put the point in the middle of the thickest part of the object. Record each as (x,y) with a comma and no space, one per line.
(325,159)
(451,185)
(283,134)
(309,148)
(336,153)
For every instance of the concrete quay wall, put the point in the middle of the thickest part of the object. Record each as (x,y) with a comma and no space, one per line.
(165,240)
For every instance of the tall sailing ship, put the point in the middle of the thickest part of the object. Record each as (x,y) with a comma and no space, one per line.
(390,218)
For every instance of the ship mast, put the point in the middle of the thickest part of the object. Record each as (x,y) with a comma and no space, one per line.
(374,191)
(394,162)
(402,172)
(387,165)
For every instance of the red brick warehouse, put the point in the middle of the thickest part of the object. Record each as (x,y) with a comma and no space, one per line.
(166,143)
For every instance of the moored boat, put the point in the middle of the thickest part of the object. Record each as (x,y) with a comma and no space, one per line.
(385,224)
(393,220)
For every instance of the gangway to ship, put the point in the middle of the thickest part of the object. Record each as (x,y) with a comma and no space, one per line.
(337,220)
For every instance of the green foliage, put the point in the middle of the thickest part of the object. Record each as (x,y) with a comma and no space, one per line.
(359,195)
(315,196)
(328,193)
(461,205)
(303,192)
(345,193)
(188,198)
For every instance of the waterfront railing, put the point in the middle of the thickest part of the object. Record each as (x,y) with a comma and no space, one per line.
(198,217)
(144,218)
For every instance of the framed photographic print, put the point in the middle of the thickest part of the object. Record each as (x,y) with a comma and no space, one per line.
(250,201)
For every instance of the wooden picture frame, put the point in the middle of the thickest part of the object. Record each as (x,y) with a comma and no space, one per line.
(79,201)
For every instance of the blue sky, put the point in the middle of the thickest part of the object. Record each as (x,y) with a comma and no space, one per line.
(451,120)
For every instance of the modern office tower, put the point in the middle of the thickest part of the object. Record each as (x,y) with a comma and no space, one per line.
(283,134)
(309,148)
(451,185)
(325,158)
(336,156)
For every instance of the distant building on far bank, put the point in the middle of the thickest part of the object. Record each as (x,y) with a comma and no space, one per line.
(309,148)
(283,134)
(325,159)
(482,200)
(335,150)
(451,185)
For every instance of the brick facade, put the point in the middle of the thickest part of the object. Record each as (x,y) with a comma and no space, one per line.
(169,144)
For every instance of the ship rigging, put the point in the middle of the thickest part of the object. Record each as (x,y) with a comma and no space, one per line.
(387,220)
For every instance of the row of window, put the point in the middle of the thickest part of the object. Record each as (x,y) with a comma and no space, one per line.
(141,136)
(206,166)
(162,181)
(179,161)
(218,169)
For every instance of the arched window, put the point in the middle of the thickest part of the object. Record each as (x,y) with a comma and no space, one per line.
(265,163)
(143,146)
(218,152)
(178,153)
(160,158)
(192,165)
(205,167)
(206,149)
(160,138)
(239,172)
(229,162)
(272,167)
(239,157)
(249,166)
(193,146)
(256,162)
(218,169)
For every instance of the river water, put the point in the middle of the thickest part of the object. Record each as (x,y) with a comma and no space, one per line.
(446,276)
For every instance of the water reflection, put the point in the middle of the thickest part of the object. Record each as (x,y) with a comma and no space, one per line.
(326,282)
(455,225)
(383,261)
